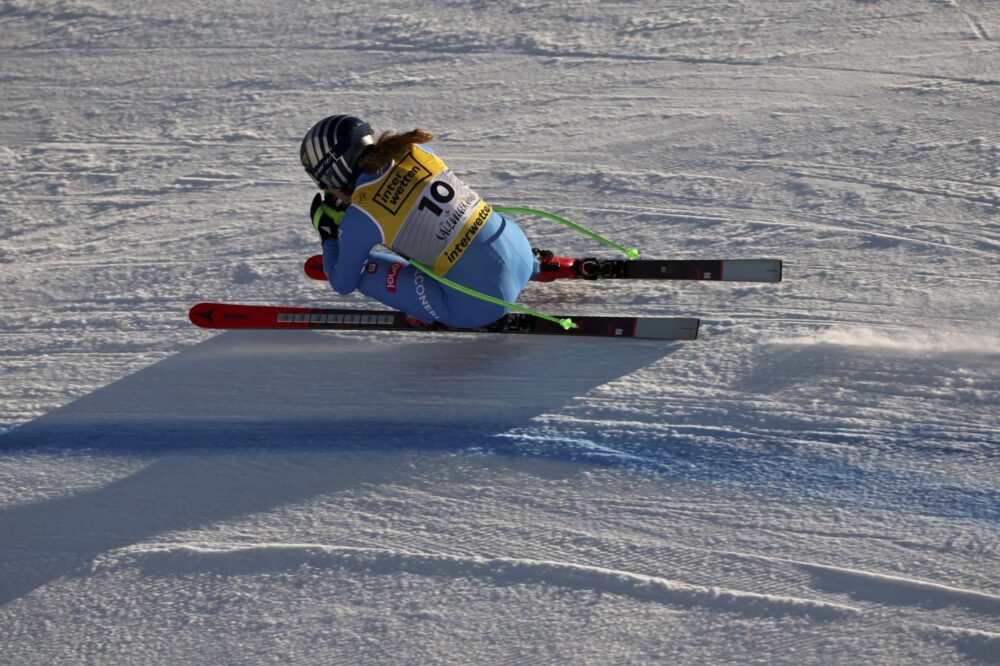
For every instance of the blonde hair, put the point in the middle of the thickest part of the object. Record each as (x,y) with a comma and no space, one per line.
(389,145)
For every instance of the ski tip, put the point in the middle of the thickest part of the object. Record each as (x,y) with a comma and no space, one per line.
(314,267)
(203,314)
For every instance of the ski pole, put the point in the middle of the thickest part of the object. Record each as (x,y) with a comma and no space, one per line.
(630,252)
(565,323)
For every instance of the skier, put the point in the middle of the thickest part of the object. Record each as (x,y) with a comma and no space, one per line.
(396,192)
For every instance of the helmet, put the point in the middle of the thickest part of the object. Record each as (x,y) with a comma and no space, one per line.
(330,150)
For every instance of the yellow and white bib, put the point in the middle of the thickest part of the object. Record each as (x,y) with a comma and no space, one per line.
(423,210)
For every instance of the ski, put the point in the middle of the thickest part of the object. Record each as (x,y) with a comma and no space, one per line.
(230,316)
(727,270)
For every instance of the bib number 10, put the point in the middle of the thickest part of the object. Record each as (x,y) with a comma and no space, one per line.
(441,193)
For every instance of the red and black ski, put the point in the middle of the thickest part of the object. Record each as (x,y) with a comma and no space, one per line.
(230,315)
(558,268)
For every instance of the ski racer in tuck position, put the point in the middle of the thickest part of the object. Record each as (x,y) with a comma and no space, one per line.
(396,192)
(449,260)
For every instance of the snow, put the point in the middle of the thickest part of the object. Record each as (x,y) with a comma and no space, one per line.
(815,480)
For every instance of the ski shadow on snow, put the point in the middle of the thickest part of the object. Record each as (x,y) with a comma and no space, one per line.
(335,391)
(377,404)
(366,396)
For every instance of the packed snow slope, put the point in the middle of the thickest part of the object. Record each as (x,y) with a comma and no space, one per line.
(815,480)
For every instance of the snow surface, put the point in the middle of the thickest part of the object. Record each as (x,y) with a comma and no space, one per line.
(816,480)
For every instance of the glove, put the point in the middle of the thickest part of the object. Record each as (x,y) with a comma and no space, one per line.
(326,214)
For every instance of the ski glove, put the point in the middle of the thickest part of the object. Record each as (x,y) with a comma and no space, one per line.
(326,214)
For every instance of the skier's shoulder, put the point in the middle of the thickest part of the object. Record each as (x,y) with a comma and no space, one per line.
(369,177)
(354,217)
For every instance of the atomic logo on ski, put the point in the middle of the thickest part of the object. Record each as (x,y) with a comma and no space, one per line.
(208,315)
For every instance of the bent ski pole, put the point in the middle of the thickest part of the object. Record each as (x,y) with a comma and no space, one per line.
(630,252)
(565,323)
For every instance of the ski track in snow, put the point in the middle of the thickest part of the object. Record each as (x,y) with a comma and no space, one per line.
(816,480)
(508,571)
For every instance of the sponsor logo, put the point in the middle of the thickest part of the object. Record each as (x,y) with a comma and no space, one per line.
(418,283)
(371,267)
(397,187)
(457,215)
(392,276)
(463,242)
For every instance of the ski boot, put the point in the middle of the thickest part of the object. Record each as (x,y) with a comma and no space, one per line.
(553,267)
(568,268)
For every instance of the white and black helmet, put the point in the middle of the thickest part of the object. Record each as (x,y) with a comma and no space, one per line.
(330,150)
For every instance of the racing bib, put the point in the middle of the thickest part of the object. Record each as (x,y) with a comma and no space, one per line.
(424,211)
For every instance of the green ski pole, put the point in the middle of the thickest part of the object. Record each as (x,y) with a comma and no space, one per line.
(630,252)
(565,323)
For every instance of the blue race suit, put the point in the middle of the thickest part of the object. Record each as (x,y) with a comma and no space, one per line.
(418,207)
